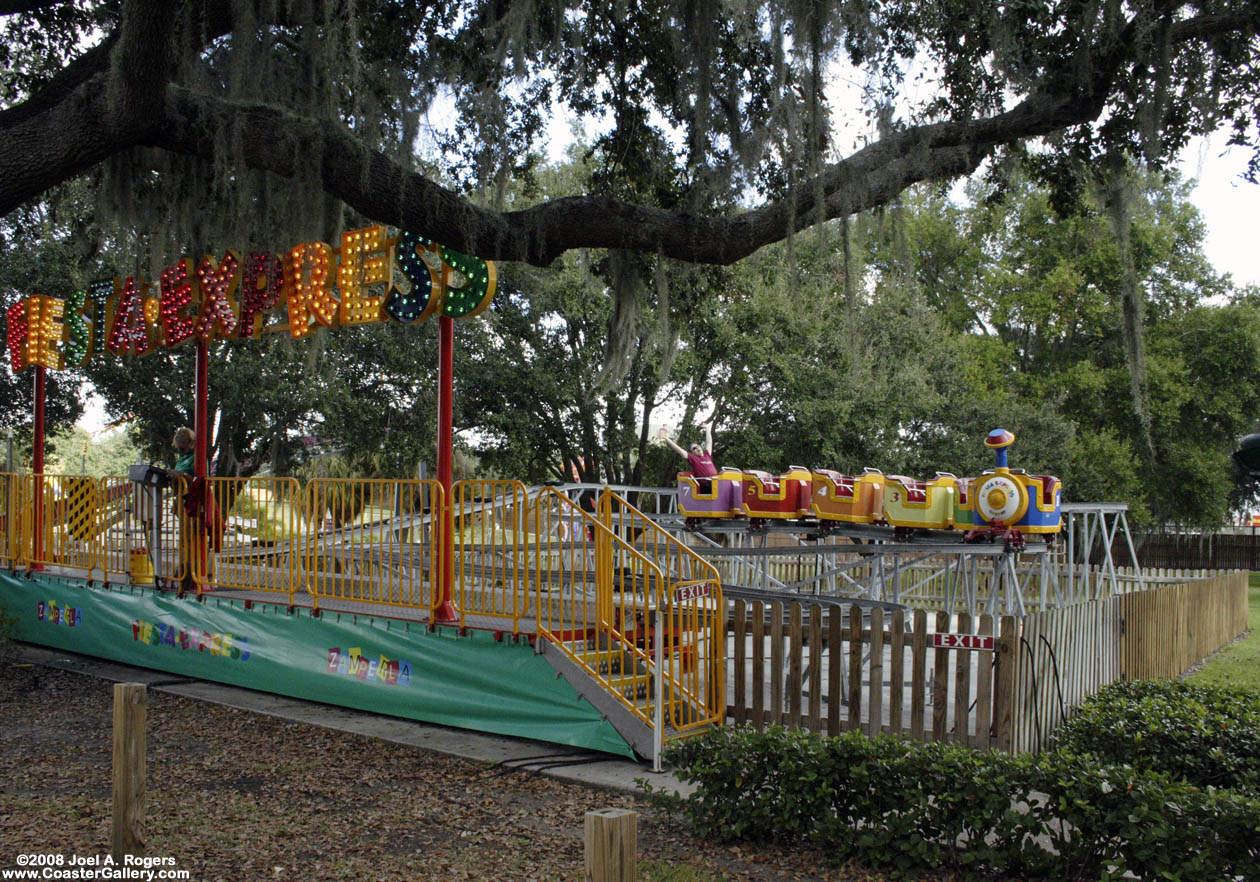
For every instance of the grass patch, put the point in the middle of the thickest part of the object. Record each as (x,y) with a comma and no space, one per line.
(1238,666)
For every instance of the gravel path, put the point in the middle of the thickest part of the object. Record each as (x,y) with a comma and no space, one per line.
(235,795)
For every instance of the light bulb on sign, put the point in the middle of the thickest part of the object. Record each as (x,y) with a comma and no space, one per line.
(78,337)
(15,333)
(261,284)
(416,302)
(217,317)
(470,284)
(365,264)
(177,292)
(306,280)
(128,332)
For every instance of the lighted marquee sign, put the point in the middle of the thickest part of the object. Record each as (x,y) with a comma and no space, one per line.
(370,278)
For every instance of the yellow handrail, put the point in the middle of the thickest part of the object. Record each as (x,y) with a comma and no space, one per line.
(610,637)
(691,613)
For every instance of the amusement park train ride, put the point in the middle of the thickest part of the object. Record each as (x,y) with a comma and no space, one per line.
(1001,504)
(488,605)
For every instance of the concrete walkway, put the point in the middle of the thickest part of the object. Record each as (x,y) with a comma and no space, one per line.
(586,767)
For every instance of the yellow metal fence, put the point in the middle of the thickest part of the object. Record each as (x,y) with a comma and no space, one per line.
(492,528)
(66,516)
(139,531)
(638,610)
(245,534)
(371,541)
(106,525)
(13,506)
(688,609)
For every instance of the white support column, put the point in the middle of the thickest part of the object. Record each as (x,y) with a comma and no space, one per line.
(658,713)
(1128,538)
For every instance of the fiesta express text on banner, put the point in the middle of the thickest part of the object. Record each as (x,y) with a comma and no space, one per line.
(371,278)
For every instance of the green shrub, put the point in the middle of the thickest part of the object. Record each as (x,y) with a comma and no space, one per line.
(755,786)
(1105,820)
(914,807)
(1205,735)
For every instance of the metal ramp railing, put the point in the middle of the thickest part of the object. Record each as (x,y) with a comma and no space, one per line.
(630,618)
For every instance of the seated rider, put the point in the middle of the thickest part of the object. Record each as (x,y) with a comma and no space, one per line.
(699,459)
(185,444)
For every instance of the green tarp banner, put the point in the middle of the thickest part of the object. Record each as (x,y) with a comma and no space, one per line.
(376,664)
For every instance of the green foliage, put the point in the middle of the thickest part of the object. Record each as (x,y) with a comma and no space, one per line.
(1042,293)
(562,377)
(895,341)
(913,808)
(1206,735)
(74,451)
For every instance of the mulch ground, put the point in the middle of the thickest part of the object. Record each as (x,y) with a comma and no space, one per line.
(234,795)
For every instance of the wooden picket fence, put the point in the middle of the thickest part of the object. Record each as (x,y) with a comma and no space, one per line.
(1171,629)
(1216,551)
(1064,656)
(1002,683)
(814,667)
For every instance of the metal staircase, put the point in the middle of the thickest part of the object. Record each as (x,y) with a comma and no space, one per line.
(631,618)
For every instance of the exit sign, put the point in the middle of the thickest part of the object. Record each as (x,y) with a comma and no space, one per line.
(691,592)
(961,641)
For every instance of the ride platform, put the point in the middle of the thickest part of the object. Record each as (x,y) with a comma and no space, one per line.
(368,659)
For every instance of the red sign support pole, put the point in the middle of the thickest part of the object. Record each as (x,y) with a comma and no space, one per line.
(37,466)
(199,557)
(201,409)
(444,609)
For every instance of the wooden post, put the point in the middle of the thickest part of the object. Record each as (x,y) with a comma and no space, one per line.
(1004,698)
(940,683)
(612,843)
(776,662)
(896,675)
(918,675)
(875,704)
(835,653)
(796,639)
(759,664)
(855,668)
(816,650)
(130,704)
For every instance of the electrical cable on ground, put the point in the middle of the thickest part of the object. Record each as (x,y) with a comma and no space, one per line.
(522,763)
